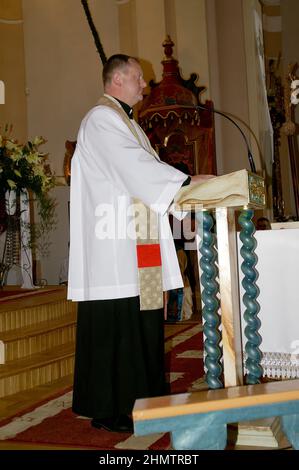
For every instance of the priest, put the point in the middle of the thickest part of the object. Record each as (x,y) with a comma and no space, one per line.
(122,255)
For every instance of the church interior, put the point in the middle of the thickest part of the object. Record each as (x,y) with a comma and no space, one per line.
(221,98)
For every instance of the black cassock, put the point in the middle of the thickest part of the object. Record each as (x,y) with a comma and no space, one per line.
(119,357)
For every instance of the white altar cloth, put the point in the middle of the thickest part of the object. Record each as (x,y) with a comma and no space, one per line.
(278,281)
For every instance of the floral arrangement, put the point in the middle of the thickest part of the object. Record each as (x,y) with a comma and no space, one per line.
(25,167)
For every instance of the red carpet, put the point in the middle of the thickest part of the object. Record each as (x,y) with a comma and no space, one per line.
(185,368)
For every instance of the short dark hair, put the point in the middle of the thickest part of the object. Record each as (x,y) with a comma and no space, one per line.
(116,61)
(263,223)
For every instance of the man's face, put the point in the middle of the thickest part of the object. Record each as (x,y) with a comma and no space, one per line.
(132,83)
(263,225)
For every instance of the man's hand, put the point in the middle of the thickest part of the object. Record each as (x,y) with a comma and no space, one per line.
(196,179)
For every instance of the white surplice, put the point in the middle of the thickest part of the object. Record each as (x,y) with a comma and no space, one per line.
(109,168)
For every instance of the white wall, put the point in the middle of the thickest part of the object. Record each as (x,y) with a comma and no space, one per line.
(227,69)
(63,68)
(192,47)
(12,69)
(63,81)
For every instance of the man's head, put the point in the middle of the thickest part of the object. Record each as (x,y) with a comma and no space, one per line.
(263,224)
(123,78)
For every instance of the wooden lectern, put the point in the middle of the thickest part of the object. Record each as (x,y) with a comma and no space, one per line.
(224,195)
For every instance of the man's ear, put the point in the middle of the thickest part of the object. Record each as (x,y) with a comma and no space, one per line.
(117,79)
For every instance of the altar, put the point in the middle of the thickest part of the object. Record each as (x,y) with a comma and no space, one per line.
(278,265)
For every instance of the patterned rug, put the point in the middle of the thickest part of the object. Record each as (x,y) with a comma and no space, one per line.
(53,423)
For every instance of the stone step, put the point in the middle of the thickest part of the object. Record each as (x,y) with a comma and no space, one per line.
(37,369)
(33,339)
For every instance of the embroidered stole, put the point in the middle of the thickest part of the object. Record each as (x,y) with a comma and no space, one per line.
(147,235)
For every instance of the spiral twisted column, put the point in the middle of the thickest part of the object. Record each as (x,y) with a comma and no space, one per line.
(252,307)
(210,301)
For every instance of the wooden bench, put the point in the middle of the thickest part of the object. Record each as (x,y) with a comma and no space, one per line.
(199,420)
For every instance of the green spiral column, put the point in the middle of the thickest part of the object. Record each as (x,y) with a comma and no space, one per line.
(252,307)
(210,301)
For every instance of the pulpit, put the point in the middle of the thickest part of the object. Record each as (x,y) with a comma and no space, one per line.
(181,132)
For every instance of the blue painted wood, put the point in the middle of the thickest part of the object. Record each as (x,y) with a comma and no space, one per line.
(205,430)
(290,426)
(203,437)
(210,301)
(252,307)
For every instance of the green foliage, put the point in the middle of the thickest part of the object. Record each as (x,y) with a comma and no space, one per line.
(40,231)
